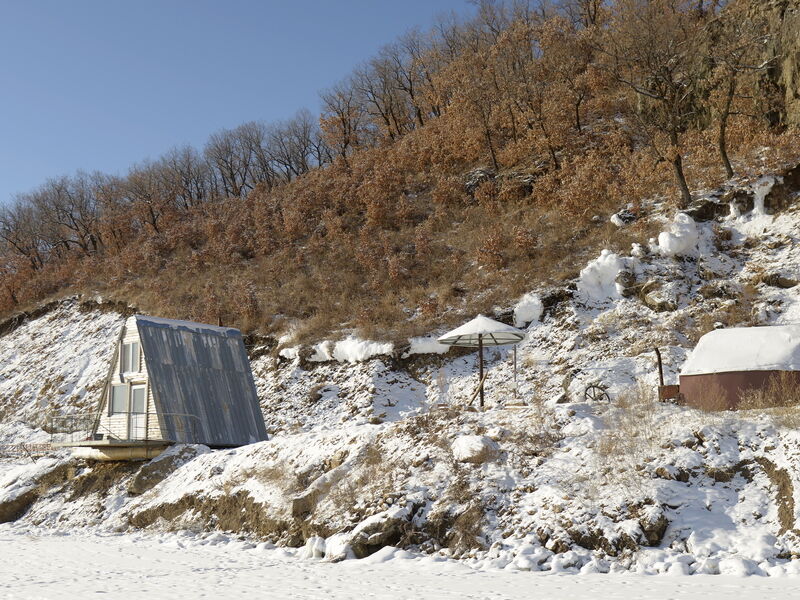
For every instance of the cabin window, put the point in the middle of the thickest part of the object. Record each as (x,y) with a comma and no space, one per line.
(119,399)
(130,357)
(138,399)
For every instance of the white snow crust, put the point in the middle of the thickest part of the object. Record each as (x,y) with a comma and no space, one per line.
(354,350)
(775,348)
(196,565)
(597,280)
(682,238)
(528,309)
(425,345)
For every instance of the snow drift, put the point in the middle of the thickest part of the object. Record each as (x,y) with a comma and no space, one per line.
(775,348)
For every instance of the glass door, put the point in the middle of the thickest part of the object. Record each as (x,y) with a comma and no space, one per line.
(137,423)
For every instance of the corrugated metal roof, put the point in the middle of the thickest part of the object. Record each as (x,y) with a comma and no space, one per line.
(201,370)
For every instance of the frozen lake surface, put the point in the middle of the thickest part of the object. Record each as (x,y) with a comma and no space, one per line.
(78,565)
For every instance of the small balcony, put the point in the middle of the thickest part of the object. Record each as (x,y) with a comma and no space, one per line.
(125,430)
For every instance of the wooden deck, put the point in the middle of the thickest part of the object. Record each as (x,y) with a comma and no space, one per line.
(111,443)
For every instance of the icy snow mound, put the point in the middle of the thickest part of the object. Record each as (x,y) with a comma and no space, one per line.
(598,280)
(527,310)
(355,350)
(681,239)
(774,348)
(350,350)
(425,345)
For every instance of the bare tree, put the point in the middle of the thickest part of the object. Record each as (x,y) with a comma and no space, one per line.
(737,40)
(189,174)
(229,152)
(655,49)
(342,118)
(20,230)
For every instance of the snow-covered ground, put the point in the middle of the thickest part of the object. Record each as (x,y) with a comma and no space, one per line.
(371,450)
(80,565)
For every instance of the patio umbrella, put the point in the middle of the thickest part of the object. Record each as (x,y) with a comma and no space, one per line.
(482,331)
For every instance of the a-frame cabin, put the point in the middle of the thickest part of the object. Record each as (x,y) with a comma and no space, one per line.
(175,382)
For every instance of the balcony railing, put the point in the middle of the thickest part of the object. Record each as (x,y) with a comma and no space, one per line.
(124,427)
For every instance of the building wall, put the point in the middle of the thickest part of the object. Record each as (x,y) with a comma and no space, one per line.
(117,425)
(720,391)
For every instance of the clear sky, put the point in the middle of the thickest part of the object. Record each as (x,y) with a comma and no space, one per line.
(102,84)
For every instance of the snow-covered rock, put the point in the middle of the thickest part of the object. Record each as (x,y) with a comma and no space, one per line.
(475,449)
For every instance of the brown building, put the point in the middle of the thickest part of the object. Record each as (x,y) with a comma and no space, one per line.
(728,362)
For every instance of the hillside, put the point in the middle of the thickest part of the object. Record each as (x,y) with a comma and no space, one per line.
(456,169)
(372,445)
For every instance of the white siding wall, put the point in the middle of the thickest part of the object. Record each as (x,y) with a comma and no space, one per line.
(117,425)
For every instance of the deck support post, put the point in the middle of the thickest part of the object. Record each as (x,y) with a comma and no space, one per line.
(480,366)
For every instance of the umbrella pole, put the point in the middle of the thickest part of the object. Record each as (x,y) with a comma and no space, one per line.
(480,366)
(515,371)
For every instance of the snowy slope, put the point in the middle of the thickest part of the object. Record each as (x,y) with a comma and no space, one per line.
(55,364)
(381,451)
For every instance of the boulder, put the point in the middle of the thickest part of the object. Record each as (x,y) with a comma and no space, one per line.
(658,297)
(475,449)
(777,280)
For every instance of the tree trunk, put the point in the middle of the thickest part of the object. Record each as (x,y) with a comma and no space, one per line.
(680,178)
(677,168)
(722,141)
(491,149)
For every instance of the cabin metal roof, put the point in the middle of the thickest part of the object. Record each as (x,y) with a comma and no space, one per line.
(202,370)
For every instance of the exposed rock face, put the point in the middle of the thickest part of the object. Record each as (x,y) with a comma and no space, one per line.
(708,209)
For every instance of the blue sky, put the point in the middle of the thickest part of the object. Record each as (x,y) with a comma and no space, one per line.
(102,84)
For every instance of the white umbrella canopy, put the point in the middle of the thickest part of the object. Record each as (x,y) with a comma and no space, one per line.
(482,331)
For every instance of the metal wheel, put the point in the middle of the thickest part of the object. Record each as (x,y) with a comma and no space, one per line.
(596,393)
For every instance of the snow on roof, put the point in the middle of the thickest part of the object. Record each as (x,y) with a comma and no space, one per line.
(493,333)
(186,325)
(775,348)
